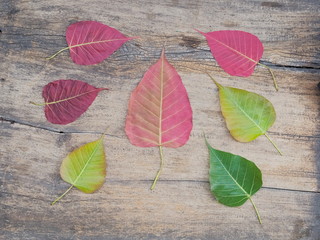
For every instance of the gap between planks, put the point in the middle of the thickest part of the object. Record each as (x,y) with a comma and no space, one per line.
(53,130)
(170,181)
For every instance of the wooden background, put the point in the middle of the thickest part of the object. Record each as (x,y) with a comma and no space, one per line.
(181,206)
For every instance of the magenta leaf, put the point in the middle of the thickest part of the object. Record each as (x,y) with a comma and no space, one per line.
(159,111)
(236,52)
(66,100)
(91,42)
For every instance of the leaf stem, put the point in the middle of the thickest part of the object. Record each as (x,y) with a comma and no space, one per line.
(37,104)
(272,74)
(62,195)
(160,169)
(273,144)
(256,210)
(60,51)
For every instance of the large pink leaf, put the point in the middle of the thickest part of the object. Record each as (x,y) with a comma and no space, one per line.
(66,100)
(159,109)
(91,42)
(237,52)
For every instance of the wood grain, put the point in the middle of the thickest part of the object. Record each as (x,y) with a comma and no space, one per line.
(181,207)
(125,208)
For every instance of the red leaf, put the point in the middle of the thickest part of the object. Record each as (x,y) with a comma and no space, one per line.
(159,109)
(91,42)
(237,52)
(66,100)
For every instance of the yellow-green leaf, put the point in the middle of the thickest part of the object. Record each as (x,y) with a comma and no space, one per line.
(248,115)
(85,167)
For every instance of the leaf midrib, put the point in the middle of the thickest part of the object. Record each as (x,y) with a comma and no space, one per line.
(161,99)
(241,188)
(87,163)
(94,42)
(234,50)
(242,110)
(69,98)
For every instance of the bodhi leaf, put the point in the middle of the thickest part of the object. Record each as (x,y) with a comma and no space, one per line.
(91,42)
(237,52)
(233,179)
(84,168)
(67,100)
(248,115)
(159,112)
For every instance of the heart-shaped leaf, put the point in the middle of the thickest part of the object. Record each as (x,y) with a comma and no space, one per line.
(91,42)
(237,52)
(233,179)
(84,168)
(66,100)
(159,111)
(248,115)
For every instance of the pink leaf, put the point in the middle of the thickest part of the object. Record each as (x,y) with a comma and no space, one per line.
(159,109)
(237,52)
(66,100)
(91,42)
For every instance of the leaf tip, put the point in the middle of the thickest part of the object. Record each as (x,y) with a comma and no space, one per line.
(162,52)
(204,136)
(215,82)
(102,89)
(199,31)
(131,38)
(206,141)
(104,134)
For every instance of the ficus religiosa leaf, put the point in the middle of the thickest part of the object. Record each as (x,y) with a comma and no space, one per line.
(248,115)
(233,179)
(237,52)
(90,42)
(85,168)
(66,100)
(159,112)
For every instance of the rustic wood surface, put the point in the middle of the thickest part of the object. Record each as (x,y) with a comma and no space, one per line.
(181,206)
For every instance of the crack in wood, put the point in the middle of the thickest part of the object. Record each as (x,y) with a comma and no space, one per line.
(14,121)
(294,67)
(295,136)
(174,181)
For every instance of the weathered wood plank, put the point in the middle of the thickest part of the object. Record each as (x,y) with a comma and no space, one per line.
(295,130)
(125,208)
(297,100)
(175,211)
(36,29)
(296,170)
(181,207)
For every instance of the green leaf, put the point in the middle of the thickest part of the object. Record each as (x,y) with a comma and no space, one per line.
(248,115)
(233,179)
(84,168)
